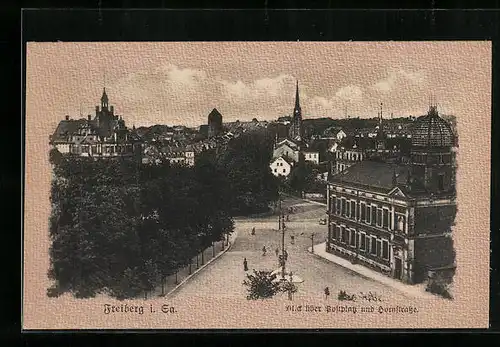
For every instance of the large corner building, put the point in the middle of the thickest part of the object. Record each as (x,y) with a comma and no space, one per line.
(104,136)
(398,218)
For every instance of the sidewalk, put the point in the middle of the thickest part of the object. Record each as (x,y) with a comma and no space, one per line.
(417,290)
(232,238)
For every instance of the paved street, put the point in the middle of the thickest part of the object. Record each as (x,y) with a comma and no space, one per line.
(224,277)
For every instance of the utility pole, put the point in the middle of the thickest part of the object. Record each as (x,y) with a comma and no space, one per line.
(312,242)
(283,247)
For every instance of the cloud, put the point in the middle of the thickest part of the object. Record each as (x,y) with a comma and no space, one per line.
(261,88)
(353,92)
(399,78)
(186,76)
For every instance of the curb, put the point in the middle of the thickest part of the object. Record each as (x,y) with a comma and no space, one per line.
(201,268)
(406,293)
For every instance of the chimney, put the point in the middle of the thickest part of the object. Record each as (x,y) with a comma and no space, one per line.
(89,117)
(67,117)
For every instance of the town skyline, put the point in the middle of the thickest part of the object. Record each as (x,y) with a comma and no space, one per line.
(179,83)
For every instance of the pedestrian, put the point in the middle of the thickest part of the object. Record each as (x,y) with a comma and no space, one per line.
(245,265)
(327,293)
(291,277)
(277,251)
(253,231)
(287,217)
(292,237)
(264,250)
(286,255)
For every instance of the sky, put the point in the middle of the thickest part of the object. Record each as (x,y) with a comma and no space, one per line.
(181,82)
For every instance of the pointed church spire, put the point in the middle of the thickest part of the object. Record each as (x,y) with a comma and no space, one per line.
(297,102)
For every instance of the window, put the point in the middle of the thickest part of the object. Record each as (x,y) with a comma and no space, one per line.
(441,182)
(343,237)
(379,248)
(284,170)
(374,215)
(368,214)
(363,212)
(373,246)
(343,207)
(353,209)
(332,204)
(399,222)
(348,209)
(379,216)
(337,233)
(362,242)
(338,206)
(385,249)
(275,170)
(353,238)
(386,218)
(333,234)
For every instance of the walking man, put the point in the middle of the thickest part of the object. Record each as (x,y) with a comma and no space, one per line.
(277,251)
(327,293)
(264,250)
(253,231)
(292,237)
(286,255)
(245,265)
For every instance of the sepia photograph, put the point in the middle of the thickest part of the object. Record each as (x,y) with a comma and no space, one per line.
(319,179)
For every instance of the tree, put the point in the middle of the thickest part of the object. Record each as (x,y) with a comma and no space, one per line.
(261,285)
(121,227)
(246,164)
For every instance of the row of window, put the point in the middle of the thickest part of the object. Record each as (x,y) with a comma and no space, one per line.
(350,156)
(369,214)
(106,149)
(276,170)
(432,158)
(341,167)
(364,243)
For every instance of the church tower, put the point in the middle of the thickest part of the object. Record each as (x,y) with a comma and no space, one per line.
(296,132)
(104,100)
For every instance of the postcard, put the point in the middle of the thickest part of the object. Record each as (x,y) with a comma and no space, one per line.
(257,185)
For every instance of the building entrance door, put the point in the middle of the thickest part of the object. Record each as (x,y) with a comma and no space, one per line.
(397,268)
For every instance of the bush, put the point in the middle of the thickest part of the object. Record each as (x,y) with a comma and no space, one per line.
(261,285)
(438,285)
(343,296)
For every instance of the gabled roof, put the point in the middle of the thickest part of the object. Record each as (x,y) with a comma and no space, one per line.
(66,128)
(290,143)
(286,159)
(377,175)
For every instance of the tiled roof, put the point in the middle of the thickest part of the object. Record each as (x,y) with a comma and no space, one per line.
(373,174)
(66,128)
(285,158)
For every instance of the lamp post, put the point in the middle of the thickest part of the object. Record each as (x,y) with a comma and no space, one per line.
(283,248)
(312,242)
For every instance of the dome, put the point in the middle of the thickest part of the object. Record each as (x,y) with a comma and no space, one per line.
(432,130)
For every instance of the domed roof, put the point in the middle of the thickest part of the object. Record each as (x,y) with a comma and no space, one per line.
(432,130)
